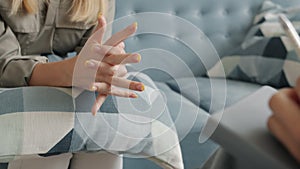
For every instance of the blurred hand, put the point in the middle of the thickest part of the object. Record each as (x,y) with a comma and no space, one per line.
(285,121)
(101,67)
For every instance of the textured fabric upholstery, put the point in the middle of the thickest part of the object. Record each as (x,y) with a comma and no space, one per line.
(224,22)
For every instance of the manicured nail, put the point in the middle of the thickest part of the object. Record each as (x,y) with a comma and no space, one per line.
(100,15)
(90,64)
(93,88)
(133,95)
(136,57)
(140,87)
(133,26)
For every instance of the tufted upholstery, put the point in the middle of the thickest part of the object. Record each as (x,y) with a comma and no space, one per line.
(224,22)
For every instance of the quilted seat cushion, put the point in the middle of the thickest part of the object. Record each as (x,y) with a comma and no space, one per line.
(233,91)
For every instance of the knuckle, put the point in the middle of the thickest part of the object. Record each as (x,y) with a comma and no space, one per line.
(116,68)
(99,78)
(109,79)
(112,71)
(117,50)
(111,50)
(103,66)
(99,49)
(122,51)
(121,70)
(106,88)
(125,71)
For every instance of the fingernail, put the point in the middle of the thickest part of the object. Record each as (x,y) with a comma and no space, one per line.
(140,87)
(133,95)
(99,15)
(89,63)
(136,57)
(134,26)
(93,88)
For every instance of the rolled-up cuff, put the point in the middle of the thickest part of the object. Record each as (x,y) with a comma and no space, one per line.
(18,72)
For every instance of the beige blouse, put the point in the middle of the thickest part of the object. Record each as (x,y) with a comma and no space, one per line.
(26,39)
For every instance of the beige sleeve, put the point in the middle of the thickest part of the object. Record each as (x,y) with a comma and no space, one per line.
(15,70)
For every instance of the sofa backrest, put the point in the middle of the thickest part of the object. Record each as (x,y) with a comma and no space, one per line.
(224,22)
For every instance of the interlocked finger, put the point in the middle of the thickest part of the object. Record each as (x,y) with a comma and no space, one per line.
(98,103)
(121,82)
(115,91)
(128,84)
(102,88)
(104,50)
(121,45)
(103,69)
(121,71)
(122,59)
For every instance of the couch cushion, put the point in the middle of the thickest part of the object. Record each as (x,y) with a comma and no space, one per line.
(66,125)
(233,91)
(267,55)
(187,116)
(189,120)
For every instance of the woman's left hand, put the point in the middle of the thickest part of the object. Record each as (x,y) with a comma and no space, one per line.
(101,67)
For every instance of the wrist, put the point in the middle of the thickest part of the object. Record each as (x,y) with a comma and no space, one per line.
(67,70)
(58,74)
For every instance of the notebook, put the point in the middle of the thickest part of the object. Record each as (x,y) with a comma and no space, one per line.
(243,133)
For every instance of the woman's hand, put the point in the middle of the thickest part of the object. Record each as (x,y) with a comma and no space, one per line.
(101,67)
(285,121)
(98,67)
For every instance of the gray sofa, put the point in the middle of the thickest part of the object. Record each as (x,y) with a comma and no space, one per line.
(224,22)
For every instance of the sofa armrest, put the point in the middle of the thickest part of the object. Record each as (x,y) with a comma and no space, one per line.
(243,133)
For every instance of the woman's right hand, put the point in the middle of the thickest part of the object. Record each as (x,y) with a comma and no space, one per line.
(101,67)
